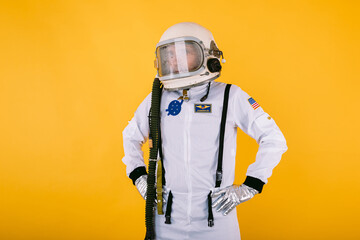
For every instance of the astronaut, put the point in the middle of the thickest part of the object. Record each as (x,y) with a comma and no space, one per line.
(199,118)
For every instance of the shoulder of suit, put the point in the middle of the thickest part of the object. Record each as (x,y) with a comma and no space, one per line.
(234,90)
(223,84)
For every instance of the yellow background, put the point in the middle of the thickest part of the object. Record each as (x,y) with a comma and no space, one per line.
(72,73)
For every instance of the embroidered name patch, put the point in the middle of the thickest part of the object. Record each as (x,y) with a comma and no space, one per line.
(253,103)
(202,108)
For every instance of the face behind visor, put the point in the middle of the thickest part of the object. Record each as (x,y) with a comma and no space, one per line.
(181,58)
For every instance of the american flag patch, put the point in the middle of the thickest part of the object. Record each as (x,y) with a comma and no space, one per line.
(253,103)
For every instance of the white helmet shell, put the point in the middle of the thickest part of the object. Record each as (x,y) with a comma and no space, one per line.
(182,56)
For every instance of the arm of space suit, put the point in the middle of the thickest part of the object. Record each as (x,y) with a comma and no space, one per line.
(252,119)
(134,136)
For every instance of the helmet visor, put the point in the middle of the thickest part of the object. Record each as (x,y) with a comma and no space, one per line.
(180,57)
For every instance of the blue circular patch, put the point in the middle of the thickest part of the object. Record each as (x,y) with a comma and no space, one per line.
(174,107)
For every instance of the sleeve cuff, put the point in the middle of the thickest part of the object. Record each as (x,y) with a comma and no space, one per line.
(254,183)
(136,173)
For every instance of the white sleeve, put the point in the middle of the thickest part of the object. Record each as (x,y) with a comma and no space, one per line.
(259,125)
(135,135)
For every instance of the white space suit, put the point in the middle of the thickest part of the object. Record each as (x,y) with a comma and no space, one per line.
(190,144)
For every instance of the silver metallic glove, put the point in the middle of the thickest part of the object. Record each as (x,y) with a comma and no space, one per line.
(141,185)
(232,196)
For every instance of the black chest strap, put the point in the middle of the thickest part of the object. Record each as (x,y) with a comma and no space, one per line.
(220,156)
(221,139)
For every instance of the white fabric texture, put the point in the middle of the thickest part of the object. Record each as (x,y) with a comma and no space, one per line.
(190,142)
